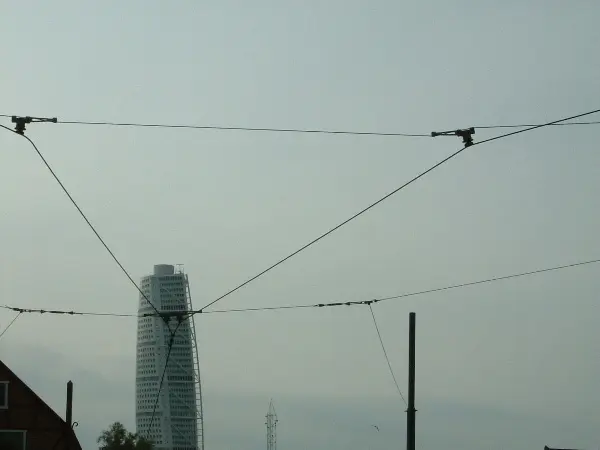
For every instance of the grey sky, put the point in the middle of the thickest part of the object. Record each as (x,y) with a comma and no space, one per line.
(509,365)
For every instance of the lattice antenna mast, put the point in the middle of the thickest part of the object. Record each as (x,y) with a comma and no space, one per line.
(271,427)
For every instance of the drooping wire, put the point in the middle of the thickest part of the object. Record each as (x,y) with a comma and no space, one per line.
(162,378)
(317,305)
(382,199)
(10,324)
(70,197)
(386,355)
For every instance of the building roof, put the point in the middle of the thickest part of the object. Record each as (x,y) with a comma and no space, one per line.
(14,378)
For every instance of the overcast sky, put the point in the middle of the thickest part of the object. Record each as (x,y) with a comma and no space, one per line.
(509,365)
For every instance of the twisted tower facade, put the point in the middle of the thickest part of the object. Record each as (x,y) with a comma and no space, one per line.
(176,423)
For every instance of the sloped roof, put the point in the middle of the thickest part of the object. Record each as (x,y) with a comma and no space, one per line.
(15,378)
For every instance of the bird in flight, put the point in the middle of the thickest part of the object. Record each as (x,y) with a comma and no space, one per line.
(376,427)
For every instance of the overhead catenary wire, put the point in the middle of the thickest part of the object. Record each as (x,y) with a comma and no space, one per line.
(313,241)
(422,292)
(385,197)
(63,312)
(96,314)
(237,128)
(386,355)
(523,125)
(368,302)
(133,124)
(87,221)
(317,305)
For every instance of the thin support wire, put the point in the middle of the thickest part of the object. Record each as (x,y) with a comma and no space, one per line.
(385,197)
(10,324)
(162,378)
(386,355)
(76,205)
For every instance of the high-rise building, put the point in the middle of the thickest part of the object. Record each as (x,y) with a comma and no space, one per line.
(172,419)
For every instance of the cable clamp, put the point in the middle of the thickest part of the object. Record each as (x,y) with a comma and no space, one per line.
(20,122)
(466,134)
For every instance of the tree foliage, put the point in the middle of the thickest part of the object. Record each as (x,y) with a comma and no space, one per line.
(116,437)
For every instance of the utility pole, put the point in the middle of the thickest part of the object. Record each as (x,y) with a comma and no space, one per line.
(411,411)
(69,415)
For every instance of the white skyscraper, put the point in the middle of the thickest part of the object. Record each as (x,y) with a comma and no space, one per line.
(177,422)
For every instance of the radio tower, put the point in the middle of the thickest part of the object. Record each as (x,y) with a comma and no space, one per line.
(271,427)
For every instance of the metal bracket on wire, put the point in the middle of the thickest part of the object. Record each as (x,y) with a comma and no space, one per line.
(178,315)
(20,122)
(466,134)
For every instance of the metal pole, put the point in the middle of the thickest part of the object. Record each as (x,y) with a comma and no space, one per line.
(69,415)
(410,416)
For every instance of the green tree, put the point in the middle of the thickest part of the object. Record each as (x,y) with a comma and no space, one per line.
(118,438)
